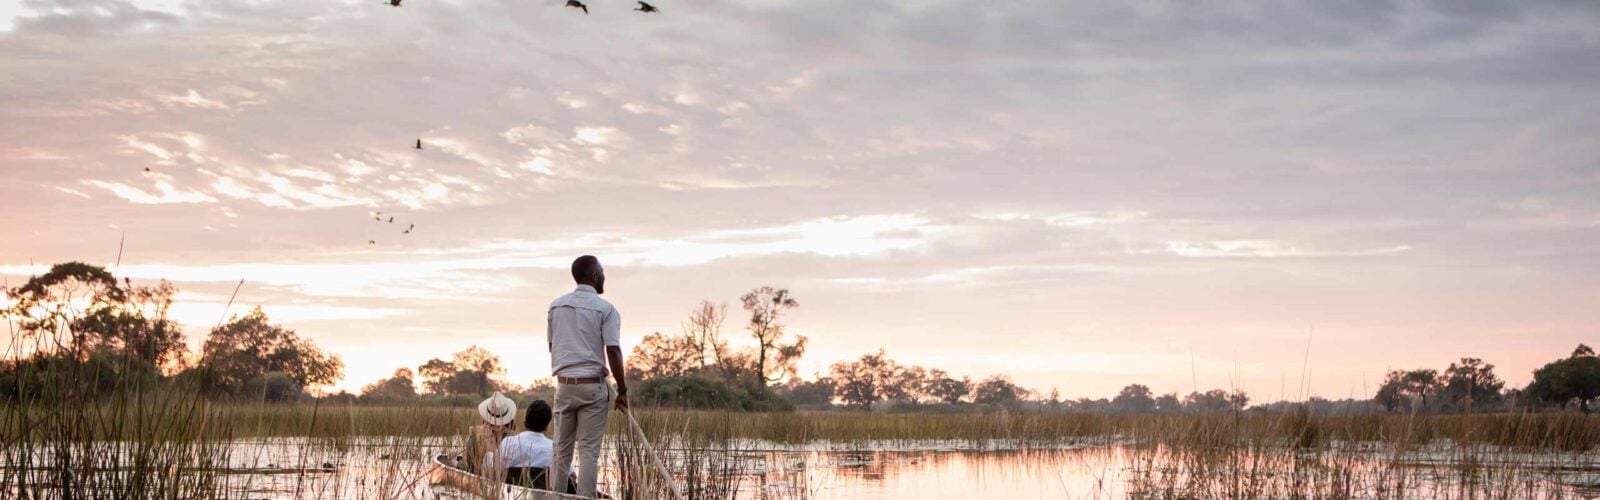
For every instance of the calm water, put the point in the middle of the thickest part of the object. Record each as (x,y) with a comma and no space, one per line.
(397,468)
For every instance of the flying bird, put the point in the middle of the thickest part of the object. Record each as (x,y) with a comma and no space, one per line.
(646,8)
(419,143)
(580,5)
(394,3)
(147,169)
(372,242)
(408,230)
(391,219)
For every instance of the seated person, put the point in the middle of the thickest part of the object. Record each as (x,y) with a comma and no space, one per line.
(527,455)
(497,413)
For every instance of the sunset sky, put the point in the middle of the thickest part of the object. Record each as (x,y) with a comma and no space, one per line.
(1079,194)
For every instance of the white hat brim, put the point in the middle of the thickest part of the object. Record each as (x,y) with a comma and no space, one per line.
(507,414)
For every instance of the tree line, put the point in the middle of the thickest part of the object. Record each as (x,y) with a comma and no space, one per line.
(79,332)
(78,321)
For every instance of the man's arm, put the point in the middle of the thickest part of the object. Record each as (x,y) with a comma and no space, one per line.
(614,356)
(611,335)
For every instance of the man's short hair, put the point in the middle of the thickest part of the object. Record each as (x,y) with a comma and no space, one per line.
(537,418)
(583,268)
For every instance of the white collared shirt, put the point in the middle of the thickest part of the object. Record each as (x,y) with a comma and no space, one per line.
(526,449)
(581,325)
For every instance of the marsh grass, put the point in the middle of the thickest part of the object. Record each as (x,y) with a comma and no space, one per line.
(163,442)
(92,434)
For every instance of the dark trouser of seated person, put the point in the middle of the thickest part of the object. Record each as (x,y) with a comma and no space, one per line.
(527,454)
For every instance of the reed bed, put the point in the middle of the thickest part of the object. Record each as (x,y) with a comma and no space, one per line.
(1552,431)
(172,444)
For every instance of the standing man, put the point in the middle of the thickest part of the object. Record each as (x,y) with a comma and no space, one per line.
(584,334)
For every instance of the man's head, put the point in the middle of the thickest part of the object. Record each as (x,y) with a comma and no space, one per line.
(586,270)
(537,418)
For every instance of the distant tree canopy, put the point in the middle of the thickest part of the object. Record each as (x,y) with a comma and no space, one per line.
(1215,400)
(81,329)
(79,332)
(1470,383)
(249,348)
(1134,398)
(941,387)
(998,390)
(396,389)
(809,394)
(1169,403)
(1574,380)
(863,382)
(474,370)
(78,309)
(1407,389)
(698,392)
(696,367)
(659,355)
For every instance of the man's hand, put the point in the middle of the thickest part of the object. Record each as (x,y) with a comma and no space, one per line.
(622,403)
(614,356)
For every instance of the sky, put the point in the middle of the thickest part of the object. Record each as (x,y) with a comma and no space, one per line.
(1080,195)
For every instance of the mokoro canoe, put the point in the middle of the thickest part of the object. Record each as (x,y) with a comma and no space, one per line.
(445,473)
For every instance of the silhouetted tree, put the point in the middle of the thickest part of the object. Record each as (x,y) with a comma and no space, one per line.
(1568,381)
(474,370)
(861,383)
(1215,400)
(399,388)
(1169,403)
(906,384)
(774,359)
(659,355)
(76,309)
(249,347)
(1134,399)
(1407,387)
(998,390)
(944,388)
(1471,383)
(704,329)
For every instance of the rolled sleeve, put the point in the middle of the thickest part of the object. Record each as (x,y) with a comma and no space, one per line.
(611,328)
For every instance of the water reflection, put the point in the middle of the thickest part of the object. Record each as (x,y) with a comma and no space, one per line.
(397,468)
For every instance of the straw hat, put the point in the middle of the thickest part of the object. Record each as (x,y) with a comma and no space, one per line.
(498,409)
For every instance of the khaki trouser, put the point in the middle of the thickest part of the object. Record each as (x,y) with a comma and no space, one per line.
(580,415)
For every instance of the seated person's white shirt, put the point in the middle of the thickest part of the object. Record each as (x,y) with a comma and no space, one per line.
(526,449)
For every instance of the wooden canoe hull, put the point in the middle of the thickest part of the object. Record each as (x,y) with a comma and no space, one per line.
(446,474)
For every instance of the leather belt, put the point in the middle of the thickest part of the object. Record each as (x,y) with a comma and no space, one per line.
(581,380)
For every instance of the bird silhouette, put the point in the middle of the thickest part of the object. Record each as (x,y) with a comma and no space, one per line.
(646,8)
(580,5)
(391,219)
(408,230)
(372,242)
(147,169)
(394,3)
(419,143)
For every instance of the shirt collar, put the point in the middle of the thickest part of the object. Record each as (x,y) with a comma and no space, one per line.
(585,288)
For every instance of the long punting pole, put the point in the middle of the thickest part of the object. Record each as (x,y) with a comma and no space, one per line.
(653,454)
